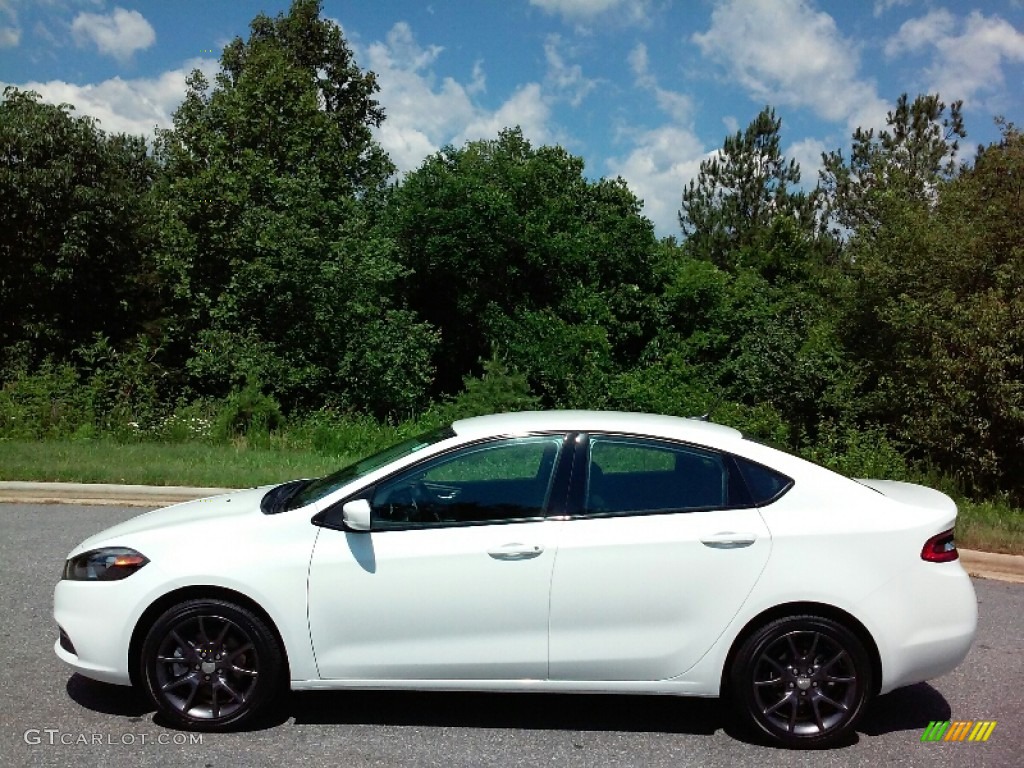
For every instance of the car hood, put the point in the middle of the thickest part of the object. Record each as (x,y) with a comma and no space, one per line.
(914,495)
(213,508)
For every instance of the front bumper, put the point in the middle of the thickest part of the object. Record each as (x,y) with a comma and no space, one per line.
(97,618)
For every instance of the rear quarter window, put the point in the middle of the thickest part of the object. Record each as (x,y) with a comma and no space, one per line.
(765,485)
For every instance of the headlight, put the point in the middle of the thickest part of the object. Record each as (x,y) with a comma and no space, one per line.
(107,564)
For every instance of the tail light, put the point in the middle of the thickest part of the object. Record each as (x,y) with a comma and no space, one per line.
(940,548)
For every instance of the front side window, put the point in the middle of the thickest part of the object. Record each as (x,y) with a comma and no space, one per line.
(634,475)
(497,481)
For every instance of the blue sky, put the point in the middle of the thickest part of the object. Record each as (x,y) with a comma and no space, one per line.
(644,89)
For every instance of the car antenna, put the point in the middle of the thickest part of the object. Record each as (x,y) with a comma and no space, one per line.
(706,416)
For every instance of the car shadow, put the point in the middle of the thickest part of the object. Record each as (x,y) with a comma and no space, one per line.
(525,711)
(907,709)
(118,700)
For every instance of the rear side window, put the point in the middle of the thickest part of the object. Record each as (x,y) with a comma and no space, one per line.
(635,475)
(765,485)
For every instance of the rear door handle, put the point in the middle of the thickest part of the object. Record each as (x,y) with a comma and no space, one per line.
(729,540)
(515,551)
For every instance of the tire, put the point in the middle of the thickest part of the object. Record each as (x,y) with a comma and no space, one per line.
(801,681)
(208,665)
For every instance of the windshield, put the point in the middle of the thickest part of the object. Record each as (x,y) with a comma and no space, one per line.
(317,489)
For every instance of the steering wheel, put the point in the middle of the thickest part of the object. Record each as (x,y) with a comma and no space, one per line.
(423,510)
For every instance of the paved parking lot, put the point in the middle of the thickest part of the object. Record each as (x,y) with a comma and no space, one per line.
(50,717)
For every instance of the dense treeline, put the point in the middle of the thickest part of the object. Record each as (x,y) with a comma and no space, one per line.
(261,256)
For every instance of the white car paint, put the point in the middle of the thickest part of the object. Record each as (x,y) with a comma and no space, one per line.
(641,603)
(432,604)
(644,597)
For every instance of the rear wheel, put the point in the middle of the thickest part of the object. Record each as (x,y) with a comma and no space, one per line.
(210,664)
(802,681)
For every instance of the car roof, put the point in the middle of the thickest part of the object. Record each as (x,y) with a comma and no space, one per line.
(654,425)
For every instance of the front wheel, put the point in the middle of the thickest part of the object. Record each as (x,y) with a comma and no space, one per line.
(802,681)
(210,664)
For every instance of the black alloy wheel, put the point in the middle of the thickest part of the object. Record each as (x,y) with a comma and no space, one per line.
(210,664)
(802,681)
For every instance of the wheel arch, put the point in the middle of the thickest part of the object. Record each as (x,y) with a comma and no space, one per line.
(196,592)
(823,610)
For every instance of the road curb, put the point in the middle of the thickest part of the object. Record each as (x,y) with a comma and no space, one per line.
(989,565)
(985,565)
(103,493)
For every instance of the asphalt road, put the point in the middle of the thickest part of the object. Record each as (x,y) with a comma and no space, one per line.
(49,717)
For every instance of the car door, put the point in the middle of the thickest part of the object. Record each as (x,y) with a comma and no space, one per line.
(654,561)
(452,580)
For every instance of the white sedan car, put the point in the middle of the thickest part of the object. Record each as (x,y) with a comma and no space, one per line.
(564,551)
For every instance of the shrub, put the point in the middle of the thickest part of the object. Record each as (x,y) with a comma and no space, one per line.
(189,421)
(124,386)
(248,412)
(857,452)
(343,434)
(50,402)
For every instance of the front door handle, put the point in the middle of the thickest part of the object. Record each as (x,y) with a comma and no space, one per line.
(729,540)
(515,551)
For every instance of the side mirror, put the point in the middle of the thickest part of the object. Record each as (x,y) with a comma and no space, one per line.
(356,515)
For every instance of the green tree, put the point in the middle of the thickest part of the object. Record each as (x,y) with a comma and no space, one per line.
(746,298)
(272,187)
(936,319)
(907,159)
(76,227)
(741,195)
(496,390)
(512,248)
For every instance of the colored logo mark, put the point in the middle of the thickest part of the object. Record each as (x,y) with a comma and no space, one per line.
(958,730)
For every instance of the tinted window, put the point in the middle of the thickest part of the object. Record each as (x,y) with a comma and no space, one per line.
(765,485)
(496,481)
(636,475)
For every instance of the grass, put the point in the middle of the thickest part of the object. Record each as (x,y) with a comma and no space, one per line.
(989,526)
(199,464)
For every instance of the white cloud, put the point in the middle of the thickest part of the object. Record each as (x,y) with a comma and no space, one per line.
(884,6)
(421,114)
(968,56)
(661,160)
(786,53)
(657,168)
(565,79)
(118,34)
(425,113)
(125,106)
(640,65)
(915,34)
(807,153)
(10,32)
(10,37)
(582,10)
(479,82)
(526,108)
(677,105)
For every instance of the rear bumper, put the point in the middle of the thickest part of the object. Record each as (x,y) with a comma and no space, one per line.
(924,625)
